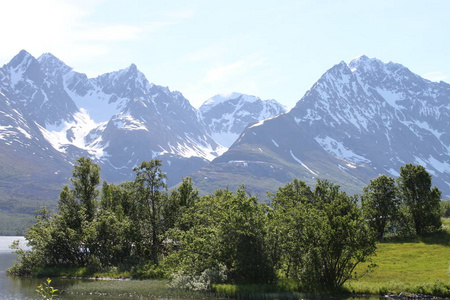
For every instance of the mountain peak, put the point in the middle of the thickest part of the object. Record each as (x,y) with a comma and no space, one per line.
(133,67)
(132,71)
(364,63)
(220,98)
(23,57)
(50,62)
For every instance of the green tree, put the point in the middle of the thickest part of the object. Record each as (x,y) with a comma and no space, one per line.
(242,234)
(223,230)
(323,240)
(445,208)
(85,179)
(422,200)
(281,220)
(150,185)
(179,201)
(380,203)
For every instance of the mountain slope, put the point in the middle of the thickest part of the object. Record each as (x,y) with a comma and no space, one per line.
(359,120)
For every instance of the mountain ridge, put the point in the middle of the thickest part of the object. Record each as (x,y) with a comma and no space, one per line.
(357,121)
(119,119)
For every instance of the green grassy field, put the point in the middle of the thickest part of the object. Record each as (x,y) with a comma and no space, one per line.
(419,266)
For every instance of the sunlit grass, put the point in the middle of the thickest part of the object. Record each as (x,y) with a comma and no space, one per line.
(417,266)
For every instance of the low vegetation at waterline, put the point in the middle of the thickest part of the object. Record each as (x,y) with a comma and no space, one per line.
(316,238)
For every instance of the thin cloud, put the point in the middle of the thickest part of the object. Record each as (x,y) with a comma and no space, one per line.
(115,32)
(234,70)
(212,51)
(223,78)
(225,72)
(63,28)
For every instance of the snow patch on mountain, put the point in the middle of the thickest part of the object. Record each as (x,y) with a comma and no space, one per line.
(303,165)
(338,149)
(73,133)
(128,122)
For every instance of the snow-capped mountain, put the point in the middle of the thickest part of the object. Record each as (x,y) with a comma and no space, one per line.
(359,120)
(227,115)
(41,94)
(119,119)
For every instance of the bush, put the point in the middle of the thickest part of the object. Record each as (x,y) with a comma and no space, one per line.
(202,282)
(149,271)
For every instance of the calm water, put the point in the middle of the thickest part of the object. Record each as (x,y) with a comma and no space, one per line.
(12,288)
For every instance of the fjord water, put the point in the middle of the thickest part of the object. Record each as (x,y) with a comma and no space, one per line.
(23,288)
(11,287)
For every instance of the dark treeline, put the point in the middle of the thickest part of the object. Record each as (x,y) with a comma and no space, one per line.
(315,236)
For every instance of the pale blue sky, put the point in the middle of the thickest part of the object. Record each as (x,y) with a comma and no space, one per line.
(270,49)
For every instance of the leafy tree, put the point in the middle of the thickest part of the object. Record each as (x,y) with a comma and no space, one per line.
(445,208)
(380,203)
(179,201)
(422,201)
(223,230)
(323,239)
(85,179)
(150,184)
(242,235)
(280,219)
(110,242)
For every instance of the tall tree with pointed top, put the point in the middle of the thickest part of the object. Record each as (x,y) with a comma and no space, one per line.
(85,179)
(150,184)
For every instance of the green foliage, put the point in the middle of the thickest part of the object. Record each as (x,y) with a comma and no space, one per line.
(46,291)
(319,240)
(85,179)
(149,184)
(445,208)
(380,203)
(223,229)
(422,200)
(202,282)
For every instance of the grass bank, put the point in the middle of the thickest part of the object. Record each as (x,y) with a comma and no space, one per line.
(417,266)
